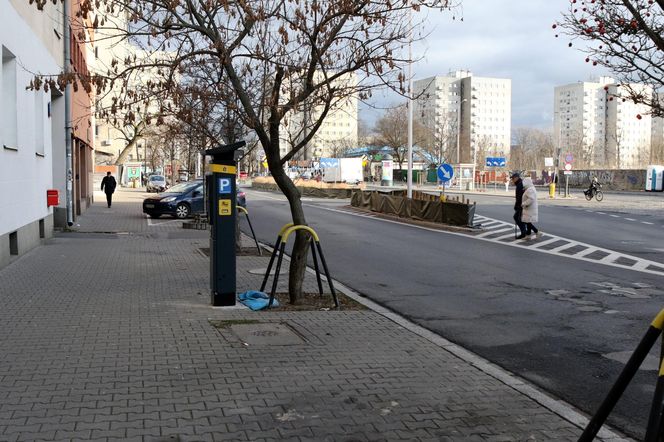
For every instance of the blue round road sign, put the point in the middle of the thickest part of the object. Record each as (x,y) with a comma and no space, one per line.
(445,172)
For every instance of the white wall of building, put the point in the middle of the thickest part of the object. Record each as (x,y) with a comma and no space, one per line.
(593,121)
(338,129)
(480,107)
(27,135)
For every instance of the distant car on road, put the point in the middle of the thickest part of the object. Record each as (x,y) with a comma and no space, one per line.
(182,200)
(241,198)
(156,183)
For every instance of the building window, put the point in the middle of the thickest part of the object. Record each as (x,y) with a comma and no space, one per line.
(40,115)
(8,98)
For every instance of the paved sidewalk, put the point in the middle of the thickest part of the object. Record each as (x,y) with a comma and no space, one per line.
(106,335)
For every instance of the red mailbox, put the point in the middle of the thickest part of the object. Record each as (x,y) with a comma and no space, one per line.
(52,197)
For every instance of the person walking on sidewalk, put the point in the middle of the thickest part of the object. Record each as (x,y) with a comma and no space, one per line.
(108,187)
(530,210)
(518,208)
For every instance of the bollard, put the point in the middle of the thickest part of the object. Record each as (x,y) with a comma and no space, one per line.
(624,379)
(552,190)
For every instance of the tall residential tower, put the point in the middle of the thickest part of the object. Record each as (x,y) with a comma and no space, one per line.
(599,127)
(470,115)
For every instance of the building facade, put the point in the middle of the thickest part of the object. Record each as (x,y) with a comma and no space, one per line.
(31,123)
(599,127)
(470,115)
(337,133)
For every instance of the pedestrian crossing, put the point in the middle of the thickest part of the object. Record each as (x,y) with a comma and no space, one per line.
(503,232)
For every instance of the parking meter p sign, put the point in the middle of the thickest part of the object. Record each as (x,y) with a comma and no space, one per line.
(225,186)
(445,172)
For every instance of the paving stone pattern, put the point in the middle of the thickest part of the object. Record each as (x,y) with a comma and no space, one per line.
(107,337)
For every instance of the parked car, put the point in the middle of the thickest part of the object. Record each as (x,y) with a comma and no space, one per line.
(179,201)
(183,200)
(156,183)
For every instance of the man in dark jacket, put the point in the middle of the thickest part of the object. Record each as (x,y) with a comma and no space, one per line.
(108,186)
(518,208)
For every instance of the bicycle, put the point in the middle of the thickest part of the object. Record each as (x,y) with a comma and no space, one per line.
(594,192)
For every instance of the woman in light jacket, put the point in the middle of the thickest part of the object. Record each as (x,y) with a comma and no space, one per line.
(530,211)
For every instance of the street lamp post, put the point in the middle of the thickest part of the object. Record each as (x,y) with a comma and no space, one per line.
(409,174)
(458,159)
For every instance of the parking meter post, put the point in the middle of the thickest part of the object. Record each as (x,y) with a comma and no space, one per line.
(222,217)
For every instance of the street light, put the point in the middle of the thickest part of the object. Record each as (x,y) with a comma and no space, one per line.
(409,174)
(459,138)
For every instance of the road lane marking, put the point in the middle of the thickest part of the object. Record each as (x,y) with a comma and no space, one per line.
(612,259)
(539,244)
(615,216)
(493,232)
(630,219)
(646,222)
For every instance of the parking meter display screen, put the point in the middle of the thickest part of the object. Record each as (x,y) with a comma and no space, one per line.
(224,186)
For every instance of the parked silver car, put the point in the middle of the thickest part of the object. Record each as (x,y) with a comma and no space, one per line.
(156,183)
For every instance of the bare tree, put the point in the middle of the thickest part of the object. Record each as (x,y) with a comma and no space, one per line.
(626,37)
(441,140)
(534,145)
(392,131)
(263,60)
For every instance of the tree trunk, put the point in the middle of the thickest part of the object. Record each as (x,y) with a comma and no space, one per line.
(299,254)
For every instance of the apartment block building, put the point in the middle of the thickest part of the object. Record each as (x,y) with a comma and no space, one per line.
(657,138)
(337,133)
(600,127)
(471,114)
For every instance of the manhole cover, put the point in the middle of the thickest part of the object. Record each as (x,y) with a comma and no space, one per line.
(266,334)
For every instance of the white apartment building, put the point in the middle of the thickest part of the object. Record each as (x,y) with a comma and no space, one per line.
(657,141)
(600,128)
(338,131)
(472,114)
(31,123)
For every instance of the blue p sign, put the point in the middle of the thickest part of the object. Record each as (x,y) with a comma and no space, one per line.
(224,186)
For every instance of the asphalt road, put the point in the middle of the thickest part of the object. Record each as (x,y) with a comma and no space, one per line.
(562,323)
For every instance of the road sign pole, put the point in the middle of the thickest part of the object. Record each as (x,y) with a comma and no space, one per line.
(566,186)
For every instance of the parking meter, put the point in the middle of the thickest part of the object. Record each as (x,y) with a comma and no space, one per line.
(221,189)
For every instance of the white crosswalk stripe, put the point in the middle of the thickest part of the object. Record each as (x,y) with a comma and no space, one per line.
(585,252)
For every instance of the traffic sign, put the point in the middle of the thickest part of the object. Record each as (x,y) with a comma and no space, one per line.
(568,166)
(496,162)
(445,172)
(567,172)
(569,157)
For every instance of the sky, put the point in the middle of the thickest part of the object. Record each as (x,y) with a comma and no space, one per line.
(503,39)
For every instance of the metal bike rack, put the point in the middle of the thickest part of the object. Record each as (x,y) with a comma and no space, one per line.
(278,252)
